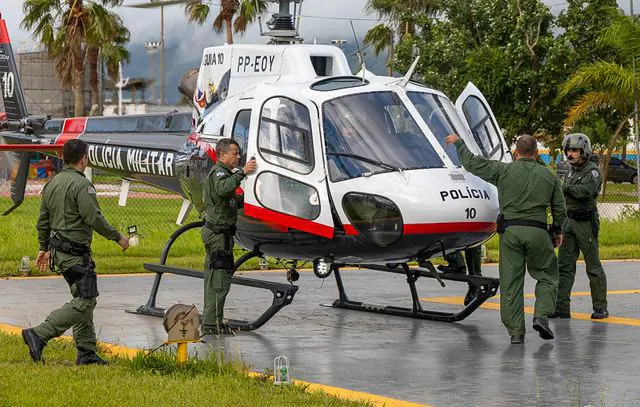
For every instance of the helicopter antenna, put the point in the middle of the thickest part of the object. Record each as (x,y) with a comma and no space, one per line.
(359,52)
(409,74)
(259,18)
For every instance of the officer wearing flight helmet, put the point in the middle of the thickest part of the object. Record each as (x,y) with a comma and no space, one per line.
(581,188)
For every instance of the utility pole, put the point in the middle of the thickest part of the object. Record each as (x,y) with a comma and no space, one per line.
(161,4)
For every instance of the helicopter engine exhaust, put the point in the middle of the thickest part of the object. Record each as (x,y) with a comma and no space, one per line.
(188,82)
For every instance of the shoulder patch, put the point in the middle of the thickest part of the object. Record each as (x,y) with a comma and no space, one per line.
(91,190)
(595,173)
(220,174)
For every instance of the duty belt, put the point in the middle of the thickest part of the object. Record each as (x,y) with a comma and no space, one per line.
(227,231)
(59,243)
(503,223)
(523,222)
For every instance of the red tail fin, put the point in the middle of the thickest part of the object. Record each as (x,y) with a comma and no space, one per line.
(10,87)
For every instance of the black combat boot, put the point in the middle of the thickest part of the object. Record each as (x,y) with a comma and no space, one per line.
(600,313)
(34,343)
(517,339)
(89,357)
(560,314)
(451,269)
(542,326)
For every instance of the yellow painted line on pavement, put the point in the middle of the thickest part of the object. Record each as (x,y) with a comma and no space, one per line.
(529,310)
(126,352)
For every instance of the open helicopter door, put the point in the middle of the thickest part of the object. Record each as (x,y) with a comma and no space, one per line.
(473,107)
(289,187)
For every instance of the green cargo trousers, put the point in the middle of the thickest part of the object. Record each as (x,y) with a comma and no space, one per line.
(217,282)
(578,238)
(76,314)
(530,247)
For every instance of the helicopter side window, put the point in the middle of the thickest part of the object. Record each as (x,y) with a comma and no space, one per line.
(483,129)
(286,195)
(240,132)
(285,135)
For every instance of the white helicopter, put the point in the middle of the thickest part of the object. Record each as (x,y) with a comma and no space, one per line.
(351,169)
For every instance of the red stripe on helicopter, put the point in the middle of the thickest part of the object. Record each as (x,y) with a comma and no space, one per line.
(4,34)
(350,230)
(30,147)
(448,227)
(72,129)
(288,221)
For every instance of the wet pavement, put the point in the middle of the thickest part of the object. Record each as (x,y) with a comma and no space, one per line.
(469,363)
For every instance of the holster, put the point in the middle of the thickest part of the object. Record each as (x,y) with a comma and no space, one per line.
(84,277)
(223,259)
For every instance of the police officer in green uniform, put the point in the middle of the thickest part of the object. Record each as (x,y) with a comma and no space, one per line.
(525,190)
(222,205)
(581,188)
(69,213)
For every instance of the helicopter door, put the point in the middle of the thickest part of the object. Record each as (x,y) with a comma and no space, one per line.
(473,107)
(289,186)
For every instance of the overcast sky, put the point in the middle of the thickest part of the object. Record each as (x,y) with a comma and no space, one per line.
(144,24)
(325,19)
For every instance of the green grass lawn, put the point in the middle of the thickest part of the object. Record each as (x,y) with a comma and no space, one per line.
(620,193)
(143,381)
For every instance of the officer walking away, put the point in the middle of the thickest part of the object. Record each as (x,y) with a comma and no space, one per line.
(525,190)
(69,213)
(222,205)
(456,265)
(581,188)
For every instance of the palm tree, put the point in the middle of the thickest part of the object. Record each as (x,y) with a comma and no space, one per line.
(381,37)
(609,85)
(246,11)
(61,27)
(399,19)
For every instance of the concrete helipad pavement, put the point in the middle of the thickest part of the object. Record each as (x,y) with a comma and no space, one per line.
(469,363)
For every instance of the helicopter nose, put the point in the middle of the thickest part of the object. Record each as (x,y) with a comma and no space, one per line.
(376,218)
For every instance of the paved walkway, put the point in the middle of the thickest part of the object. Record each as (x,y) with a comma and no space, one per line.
(469,363)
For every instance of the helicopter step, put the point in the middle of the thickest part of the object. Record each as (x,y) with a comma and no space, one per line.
(282,293)
(485,288)
(282,296)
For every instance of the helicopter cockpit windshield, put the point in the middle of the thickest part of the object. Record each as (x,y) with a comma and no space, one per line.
(370,133)
(440,116)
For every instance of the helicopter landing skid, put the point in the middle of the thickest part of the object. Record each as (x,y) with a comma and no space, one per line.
(485,287)
(282,293)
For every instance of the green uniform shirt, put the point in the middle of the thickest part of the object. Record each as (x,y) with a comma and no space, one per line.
(582,186)
(219,195)
(525,188)
(69,205)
